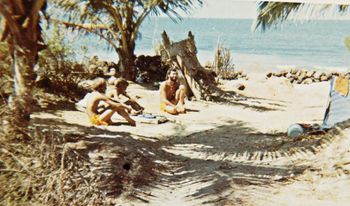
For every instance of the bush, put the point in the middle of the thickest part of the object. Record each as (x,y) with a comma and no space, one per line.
(57,69)
(222,64)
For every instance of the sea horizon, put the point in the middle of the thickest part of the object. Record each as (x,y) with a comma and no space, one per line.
(313,44)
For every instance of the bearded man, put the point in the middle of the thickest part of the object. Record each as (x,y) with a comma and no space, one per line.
(172,94)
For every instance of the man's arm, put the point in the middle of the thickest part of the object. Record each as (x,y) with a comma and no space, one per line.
(126,95)
(113,102)
(163,97)
(113,95)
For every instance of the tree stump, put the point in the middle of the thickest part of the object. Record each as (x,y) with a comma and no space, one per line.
(182,55)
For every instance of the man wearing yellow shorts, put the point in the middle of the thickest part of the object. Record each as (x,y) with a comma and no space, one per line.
(104,117)
(172,94)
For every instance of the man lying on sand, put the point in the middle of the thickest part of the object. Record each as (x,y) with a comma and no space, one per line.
(172,94)
(119,88)
(104,117)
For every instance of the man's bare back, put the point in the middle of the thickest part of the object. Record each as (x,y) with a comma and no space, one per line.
(104,117)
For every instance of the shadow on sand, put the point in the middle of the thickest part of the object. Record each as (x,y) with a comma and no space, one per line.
(254,103)
(207,166)
(204,167)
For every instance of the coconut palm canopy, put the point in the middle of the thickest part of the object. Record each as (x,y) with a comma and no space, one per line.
(118,21)
(107,18)
(274,13)
(112,18)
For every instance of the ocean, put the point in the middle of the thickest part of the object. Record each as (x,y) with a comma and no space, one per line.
(310,44)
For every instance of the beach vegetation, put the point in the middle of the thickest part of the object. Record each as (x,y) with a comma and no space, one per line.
(118,22)
(58,70)
(222,64)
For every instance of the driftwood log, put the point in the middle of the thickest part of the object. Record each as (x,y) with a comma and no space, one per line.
(183,55)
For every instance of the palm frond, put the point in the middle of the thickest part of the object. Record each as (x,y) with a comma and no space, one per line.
(124,17)
(87,29)
(343,8)
(274,13)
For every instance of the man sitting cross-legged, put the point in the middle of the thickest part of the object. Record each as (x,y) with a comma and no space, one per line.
(118,90)
(103,117)
(172,94)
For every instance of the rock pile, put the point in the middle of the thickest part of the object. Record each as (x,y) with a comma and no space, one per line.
(302,76)
(150,69)
(227,74)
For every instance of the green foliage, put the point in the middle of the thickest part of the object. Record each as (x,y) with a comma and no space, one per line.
(223,65)
(347,42)
(118,22)
(274,13)
(58,70)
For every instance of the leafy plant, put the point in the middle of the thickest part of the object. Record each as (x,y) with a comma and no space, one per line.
(275,13)
(222,64)
(118,22)
(58,69)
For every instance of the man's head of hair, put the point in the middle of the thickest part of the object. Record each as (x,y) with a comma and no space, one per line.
(98,83)
(169,71)
(121,82)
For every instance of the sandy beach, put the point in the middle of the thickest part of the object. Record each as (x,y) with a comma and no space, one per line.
(235,152)
(256,92)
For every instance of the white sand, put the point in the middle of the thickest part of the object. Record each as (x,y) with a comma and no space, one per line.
(213,172)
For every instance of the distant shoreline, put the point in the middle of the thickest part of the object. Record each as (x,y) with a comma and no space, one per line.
(315,44)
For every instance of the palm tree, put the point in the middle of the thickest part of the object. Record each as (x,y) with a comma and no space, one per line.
(118,21)
(273,13)
(20,20)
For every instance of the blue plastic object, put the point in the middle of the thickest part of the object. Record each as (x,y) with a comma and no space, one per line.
(147,116)
(295,130)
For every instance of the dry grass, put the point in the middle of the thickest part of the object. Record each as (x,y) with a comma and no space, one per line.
(43,172)
(55,169)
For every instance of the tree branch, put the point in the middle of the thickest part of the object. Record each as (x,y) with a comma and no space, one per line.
(115,14)
(87,27)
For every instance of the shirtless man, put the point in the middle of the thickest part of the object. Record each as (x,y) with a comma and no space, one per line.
(172,94)
(113,76)
(104,117)
(119,89)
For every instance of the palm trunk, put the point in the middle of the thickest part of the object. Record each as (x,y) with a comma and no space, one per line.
(20,104)
(22,22)
(127,63)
